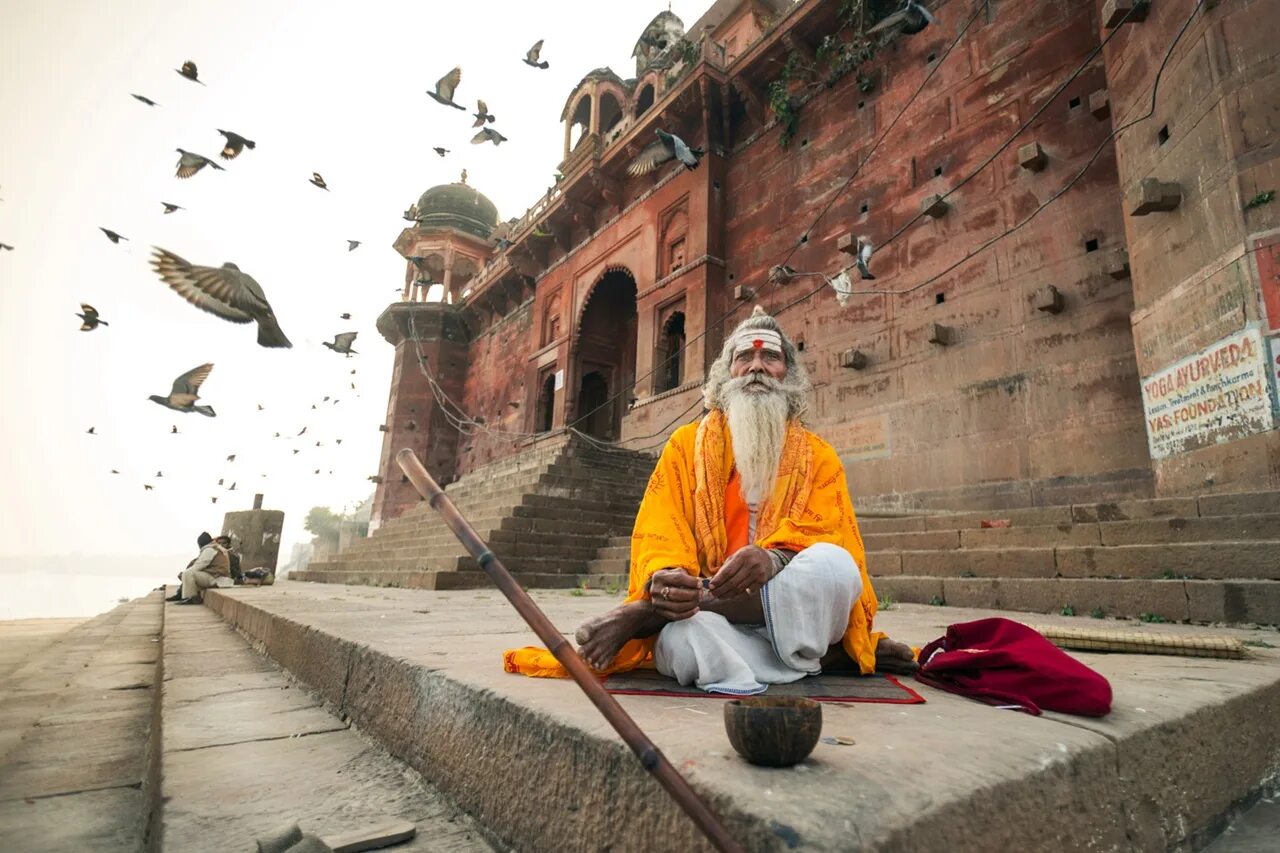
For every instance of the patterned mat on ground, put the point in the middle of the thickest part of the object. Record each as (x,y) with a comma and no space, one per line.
(824,688)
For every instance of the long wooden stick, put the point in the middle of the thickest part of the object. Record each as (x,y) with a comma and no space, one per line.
(650,757)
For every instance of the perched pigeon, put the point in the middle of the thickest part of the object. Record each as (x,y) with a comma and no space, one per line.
(440,151)
(531,58)
(186,390)
(342,343)
(488,135)
(146,100)
(344,316)
(235,144)
(90,318)
(112,236)
(668,147)
(223,291)
(170,208)
(445,88)
(910,19)
(864,258)
(91,431)
(352,244)
(319,181)
(482,114)
(189,163)
(231,458)
(189,71)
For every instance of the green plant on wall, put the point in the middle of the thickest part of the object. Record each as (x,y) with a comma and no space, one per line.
(785,108)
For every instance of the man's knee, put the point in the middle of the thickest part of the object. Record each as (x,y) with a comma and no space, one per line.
(830,564)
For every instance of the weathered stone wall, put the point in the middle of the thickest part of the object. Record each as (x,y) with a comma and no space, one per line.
(256,532)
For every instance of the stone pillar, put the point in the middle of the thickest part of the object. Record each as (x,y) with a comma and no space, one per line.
(414,420)
(256,533)
(1204,255)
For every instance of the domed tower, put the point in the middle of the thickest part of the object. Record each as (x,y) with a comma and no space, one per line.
(444,247)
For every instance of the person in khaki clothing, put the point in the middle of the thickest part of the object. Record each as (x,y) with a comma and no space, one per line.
(213,563)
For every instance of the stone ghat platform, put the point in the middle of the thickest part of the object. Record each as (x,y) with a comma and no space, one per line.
(1190,742)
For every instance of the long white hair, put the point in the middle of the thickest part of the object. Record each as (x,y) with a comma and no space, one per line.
(796,383)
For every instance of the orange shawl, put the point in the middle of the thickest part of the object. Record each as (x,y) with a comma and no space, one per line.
(680,524)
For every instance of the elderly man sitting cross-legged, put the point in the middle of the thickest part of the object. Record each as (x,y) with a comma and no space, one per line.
(746,564)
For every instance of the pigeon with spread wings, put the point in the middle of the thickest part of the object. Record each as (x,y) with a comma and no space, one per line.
(190,163)
(668,147)
(190,71)
(223,291)
(235,144)
(488,135)
(90,318)
(342,343)
(146,100)
(482,114)
(445,87)
(531,58)
(186,390)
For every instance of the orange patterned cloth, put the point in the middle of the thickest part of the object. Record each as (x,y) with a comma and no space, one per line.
(681,524)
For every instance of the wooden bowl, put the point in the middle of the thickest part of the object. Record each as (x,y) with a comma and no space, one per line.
(773,731)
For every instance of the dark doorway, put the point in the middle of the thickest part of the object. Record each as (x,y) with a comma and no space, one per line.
(670,352)
(547,403)
(606,347)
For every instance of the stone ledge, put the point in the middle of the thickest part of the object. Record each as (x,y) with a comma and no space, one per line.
(421,672)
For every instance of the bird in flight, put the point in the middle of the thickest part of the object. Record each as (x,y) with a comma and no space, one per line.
(342,343)
(231,458)
(185,392)
(189,71)
(112,236)
(174,431)
(90,318)
(318,181)
(482,114)
(159,473)
(223,291)
(668,147)
(146,100)
(302,431)
(91,431)
(488,135)
(531,58)
(231,488)
(213,500)
(189,163)
(344,316)
(146,488)
(440,151)
(5,247)
(352,244)
(910,19)
(114,471)
(235,144)
(445,88)
(170,208)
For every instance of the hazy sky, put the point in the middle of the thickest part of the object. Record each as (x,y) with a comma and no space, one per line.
(334,88)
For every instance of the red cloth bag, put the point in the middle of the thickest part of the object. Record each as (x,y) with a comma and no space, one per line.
(1005,663)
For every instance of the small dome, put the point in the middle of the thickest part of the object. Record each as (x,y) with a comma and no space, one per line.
(457,206)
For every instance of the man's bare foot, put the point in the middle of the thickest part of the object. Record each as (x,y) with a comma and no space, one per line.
(895,657)
(599,639)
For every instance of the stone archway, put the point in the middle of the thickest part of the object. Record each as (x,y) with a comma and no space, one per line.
(604,355)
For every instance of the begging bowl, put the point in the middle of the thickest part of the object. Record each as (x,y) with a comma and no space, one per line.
(773,731)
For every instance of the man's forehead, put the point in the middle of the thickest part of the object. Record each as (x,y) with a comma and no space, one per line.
(757,339)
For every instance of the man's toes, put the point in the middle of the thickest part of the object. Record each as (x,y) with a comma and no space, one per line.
(583,634)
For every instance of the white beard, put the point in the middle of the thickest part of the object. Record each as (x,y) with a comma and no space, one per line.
(758,427)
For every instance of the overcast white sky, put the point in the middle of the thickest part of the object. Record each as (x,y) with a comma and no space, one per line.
(334,88)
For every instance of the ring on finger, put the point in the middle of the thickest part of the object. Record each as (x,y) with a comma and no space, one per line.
(666,593)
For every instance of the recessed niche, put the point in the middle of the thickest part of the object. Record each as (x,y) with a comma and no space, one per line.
(861,104)
(1091,245)
(804,142)
(931,57)
(715,184)
(1073,103)
(800,346)
(937,171)
(939,298)
(865,207)
(730,276)
(1162,135)
(804,238)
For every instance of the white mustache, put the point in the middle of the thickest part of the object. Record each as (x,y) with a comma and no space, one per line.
(740,382)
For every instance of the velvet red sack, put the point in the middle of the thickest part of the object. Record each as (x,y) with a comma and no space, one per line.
(1005,663)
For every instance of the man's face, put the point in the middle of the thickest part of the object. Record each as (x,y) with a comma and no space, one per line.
(756,361)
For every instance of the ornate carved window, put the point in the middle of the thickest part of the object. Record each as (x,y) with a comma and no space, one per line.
(551,320)
(668,357)
(675,231)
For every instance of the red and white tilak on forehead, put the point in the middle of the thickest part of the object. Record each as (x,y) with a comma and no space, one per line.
(762,339)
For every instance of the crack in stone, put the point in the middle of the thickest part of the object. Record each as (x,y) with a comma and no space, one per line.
(137,786)
(296,735)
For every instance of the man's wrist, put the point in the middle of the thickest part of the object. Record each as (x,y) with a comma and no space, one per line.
(779,558)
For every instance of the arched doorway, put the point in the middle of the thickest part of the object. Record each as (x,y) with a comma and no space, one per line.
(547,403)
(605,356)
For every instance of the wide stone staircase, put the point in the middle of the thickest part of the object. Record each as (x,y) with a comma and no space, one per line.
(546,513)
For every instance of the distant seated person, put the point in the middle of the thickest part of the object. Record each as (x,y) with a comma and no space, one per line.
(237,576)
(212,565)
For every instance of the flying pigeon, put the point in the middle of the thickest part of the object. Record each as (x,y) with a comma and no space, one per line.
(90,318)
(231,488)
(220,481)
(114,471)
(146,100)
(170,208)
(186,390)
(235,144)
(174,431)
(344,316)
(482,114)
(189,163)
(260,408)
(339,441)
(223,291)
(353,371)
(145,487)
(189,71)
(303,432)
(313,407)
(910,19)
(864,258)
(296,451)
(342,343)
(668,147)
(277,435)
(440,151)
(319,181)
(231,458)
(488,135)
(326,399)
(6,247)
(112,236)
(531,58)
(91,431)
(159,473)
(352,244)
(213,500)
(317,470)
(445,87)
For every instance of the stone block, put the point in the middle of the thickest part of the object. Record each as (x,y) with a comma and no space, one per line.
(382,428)
(1049,299)
(1239,503)
(848,243)
(1032,157)
(742,293)
(854,359)
(913,590)
(934,206)
(942,335)
(1100,104)
(1118,266)
(1117,12)
(1153,195)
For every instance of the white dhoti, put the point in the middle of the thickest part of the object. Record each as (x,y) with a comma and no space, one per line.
(806,609)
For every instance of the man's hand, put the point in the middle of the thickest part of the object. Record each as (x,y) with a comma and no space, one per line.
(744,573)
(674,593)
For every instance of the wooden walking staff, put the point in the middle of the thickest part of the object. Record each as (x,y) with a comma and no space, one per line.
(650,757)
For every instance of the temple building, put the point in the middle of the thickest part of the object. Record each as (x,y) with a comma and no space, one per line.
(1077,254)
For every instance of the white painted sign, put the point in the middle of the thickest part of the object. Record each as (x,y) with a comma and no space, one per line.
(1275,373)
(1219,394)
(559,379)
